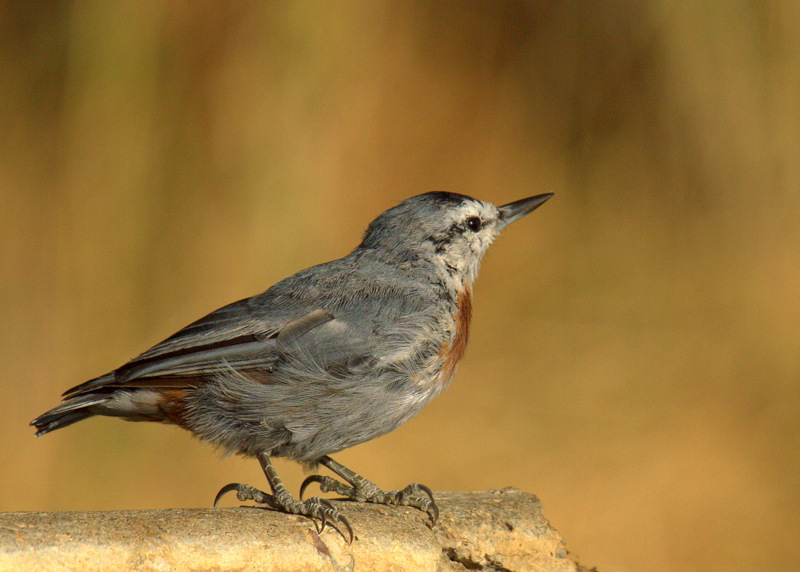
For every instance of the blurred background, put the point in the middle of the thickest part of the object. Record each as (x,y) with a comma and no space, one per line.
(635,350)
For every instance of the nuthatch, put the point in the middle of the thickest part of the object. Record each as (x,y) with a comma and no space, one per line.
(333,356)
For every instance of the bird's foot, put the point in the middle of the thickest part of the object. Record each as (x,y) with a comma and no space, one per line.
(362,490)
(314,507)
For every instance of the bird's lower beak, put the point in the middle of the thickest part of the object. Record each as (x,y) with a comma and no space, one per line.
(518,209)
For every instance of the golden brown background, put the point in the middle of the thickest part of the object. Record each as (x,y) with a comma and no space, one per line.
(635,351)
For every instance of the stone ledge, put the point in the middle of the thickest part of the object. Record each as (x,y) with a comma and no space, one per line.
(489,530)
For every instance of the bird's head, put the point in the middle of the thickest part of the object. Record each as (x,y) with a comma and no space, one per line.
(453,231)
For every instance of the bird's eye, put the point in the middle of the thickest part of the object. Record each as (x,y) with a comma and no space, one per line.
(474,223)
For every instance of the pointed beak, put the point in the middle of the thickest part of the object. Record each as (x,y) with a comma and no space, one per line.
(518,209)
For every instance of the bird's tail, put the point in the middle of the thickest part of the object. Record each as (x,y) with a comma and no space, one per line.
(71,411)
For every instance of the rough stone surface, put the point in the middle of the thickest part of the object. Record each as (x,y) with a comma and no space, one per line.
(490,530)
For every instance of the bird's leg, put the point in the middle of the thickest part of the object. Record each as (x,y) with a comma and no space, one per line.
(282,500)
(363,490)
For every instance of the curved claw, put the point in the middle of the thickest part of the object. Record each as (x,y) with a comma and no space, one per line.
(323,513)
(414,488)
(309,479)
(323,522)
(349,531)
(427,491)
(435,515)
(225,490)
(337,517)
(432,509)
(349,528)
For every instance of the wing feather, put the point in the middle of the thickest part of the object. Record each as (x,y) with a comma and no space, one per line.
(312,321)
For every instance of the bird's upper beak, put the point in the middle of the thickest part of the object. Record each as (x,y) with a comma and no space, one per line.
(518,209)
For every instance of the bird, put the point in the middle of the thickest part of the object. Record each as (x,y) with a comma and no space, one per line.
(333,356)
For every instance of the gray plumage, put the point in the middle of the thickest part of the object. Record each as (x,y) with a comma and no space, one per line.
(328,358)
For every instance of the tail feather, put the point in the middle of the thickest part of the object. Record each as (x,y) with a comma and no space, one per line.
(67,413)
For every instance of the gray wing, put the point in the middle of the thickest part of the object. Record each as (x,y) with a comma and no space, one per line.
(236,336)
(299,319)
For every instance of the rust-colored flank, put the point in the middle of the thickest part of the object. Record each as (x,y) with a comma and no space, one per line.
(458,346)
